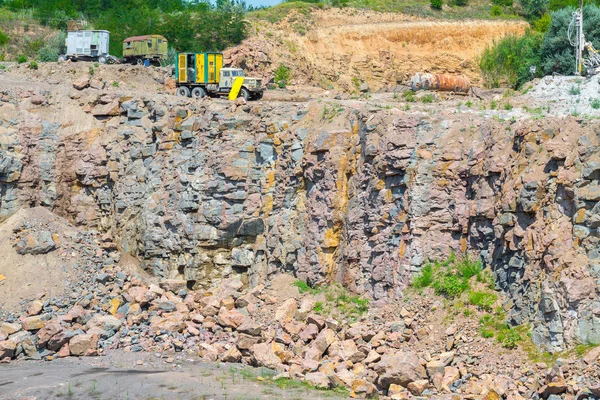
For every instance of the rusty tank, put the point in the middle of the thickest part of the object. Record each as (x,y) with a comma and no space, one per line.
(441,82)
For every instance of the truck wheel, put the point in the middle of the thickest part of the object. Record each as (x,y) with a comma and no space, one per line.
(102,60)
(140,61)
(258,96)
(183,91)
(244,93)
(198,93)
(61,58)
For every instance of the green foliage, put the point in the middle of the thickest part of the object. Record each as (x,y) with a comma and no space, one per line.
(339,303)
(21,59)
(483,300)
(468,103)
(508,60)
(33,65)
(595,104)
(339,3)
(409,96)
(425,277)
(493,104)
(461,3)
(192,26)
(282,76)
(449,278)
(495,325)
(535,8)
(3,38)
(508,106)
(115,84)
(52,48)
(575,90)
(496,11)
(281,11)
(543,23)
(428,98)
(436,4)
(450,285)
(91,70)
(503,3)
(557,53)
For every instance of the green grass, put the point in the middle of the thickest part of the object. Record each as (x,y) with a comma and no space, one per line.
(595,104)
(575,90)
(483,300)
(281,11)
(449,278)
(428,98)
(409,96)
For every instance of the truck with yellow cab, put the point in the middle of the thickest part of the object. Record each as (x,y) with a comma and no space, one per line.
(151,48)
(202,74)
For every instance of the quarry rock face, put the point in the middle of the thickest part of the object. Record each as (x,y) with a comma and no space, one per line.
(341,191)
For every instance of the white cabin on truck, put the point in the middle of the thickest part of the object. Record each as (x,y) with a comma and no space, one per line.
(87,46)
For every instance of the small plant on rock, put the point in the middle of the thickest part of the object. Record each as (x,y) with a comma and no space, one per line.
(282,76)
(595,104)
(33,65)
(22,59)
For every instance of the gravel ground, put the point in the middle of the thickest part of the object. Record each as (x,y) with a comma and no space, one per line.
(143,376)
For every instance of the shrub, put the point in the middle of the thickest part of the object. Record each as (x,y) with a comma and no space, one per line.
(450,285)
(21,59)
(91,70)
(496,11)
(425,278)
(556,52)
(282,76)
(595,104)
(461,3)
(3,38)
(535,8)
(52,49)
(33,65)
(503,3)
(483,300)
(436,4)
(543,23)
(507,61)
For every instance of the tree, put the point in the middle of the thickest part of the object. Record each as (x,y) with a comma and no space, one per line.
(535,8)
(558,56)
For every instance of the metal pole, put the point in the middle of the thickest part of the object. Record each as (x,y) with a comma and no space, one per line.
(580,40)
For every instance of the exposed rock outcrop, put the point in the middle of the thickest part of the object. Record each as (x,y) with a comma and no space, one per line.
(338,190)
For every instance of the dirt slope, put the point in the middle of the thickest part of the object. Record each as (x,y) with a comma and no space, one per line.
(343,48)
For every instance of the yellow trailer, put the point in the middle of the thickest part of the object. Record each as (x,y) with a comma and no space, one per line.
(201,74)
(138,49)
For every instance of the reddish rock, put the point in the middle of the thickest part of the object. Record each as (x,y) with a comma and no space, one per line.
(230,318)
(84,345)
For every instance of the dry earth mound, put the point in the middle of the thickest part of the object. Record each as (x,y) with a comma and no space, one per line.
(343,48)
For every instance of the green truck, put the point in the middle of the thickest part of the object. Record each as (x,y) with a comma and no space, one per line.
(138,49)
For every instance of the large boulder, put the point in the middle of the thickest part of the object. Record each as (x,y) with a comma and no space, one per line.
(400,368)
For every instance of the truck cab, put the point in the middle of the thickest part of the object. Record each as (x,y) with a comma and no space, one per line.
(202,74)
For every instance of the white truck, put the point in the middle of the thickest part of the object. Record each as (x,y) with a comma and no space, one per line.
(87,46)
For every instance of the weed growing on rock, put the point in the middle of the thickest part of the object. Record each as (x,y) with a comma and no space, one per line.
(575,90)
(22,59)
(595,104)
(483,300)
(449,278)
(428,98)
(91,71)
(33,65)
(409,96)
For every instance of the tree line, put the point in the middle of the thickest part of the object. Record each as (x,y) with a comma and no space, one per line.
(188,25)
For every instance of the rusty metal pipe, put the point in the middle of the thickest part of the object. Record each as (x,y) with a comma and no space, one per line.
(441,82)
